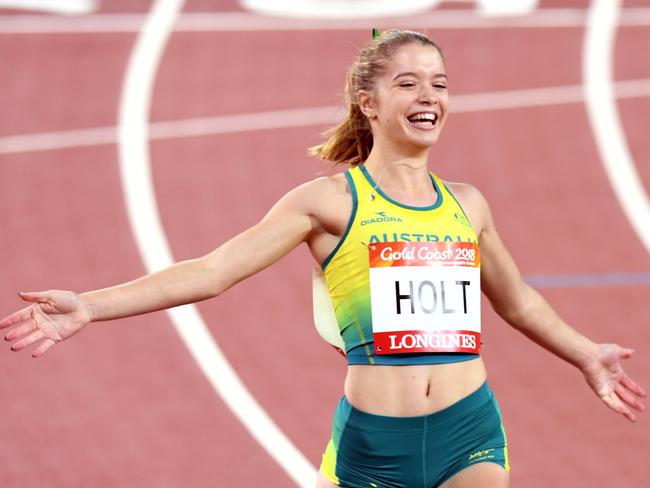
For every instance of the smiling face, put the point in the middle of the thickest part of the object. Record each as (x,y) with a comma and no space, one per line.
(407,106)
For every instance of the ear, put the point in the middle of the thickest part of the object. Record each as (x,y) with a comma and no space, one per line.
(367,104)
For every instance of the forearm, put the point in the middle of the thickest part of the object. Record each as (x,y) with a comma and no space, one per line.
(285,226)
(536,319)
(192,280)
(184,282)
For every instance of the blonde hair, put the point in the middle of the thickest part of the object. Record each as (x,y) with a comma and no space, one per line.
(350,141)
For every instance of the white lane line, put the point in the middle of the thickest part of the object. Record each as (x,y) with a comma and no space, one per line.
(227,124)
(48,141)
(302,117)
(61,7)
(598,71)
(243,21)
(145,223)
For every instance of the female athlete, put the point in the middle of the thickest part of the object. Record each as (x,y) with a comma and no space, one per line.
(402,253)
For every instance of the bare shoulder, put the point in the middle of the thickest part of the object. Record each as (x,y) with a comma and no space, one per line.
(320,193)
(327,202)
(466,192)
(334,184)
(473,203)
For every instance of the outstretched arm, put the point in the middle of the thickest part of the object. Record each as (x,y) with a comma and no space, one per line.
(527,311)
(57,315)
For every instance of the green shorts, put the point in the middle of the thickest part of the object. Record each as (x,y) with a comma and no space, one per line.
(369,450)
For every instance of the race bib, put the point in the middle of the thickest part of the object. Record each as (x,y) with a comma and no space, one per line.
(425,297)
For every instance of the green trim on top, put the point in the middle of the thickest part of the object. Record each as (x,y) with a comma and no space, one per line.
(394,202)
(355,204)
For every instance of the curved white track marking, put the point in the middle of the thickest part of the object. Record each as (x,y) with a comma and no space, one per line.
(337,9)
(150,238)
(243,21)
(64,7)
(598,72)
(506,7)
(346,9)
(301,117)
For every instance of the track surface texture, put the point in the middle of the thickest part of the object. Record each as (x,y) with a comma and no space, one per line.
(125,404)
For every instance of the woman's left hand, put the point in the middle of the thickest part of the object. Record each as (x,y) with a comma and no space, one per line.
(606,377)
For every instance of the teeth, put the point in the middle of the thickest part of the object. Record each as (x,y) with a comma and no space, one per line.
(423,117)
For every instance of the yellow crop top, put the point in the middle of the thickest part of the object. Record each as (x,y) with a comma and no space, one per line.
(431,301)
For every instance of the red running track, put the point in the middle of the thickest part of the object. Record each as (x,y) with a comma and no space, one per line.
(124,404)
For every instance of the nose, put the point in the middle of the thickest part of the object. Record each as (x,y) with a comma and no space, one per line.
(427,95)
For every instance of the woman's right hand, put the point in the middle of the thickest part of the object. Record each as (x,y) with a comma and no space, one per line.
(53,316)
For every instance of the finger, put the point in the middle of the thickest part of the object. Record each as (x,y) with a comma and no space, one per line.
(632,386)
(625,352)
(42,348)
(615,403)
(23,328)
(16,317)
(37,335)
(628,398)
(34,296)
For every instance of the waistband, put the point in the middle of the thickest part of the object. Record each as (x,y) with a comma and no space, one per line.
(369,421)
(359,355)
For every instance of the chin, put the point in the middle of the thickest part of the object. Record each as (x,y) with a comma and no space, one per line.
(425,142)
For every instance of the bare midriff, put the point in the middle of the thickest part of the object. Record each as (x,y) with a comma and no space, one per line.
(407,391)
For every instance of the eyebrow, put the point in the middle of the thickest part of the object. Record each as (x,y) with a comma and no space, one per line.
(410,73)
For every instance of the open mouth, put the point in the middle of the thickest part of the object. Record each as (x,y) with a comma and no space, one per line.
(424,120)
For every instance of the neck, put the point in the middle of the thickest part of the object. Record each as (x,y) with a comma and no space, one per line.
(399,171)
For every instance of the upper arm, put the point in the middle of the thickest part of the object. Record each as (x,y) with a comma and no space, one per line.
(288,223)
(500,277)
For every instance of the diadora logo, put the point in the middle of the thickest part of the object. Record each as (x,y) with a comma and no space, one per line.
(381,217)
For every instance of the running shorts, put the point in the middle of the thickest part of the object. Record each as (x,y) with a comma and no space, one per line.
(376,451)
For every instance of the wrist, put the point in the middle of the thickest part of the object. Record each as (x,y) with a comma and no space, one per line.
(88,307)
(586,355)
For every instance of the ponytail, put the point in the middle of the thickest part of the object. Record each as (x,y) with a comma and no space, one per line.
(350,141)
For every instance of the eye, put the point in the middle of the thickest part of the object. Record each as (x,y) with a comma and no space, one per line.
(440,86)
(407,84)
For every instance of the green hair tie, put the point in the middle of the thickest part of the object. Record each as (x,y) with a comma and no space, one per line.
(376,33)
